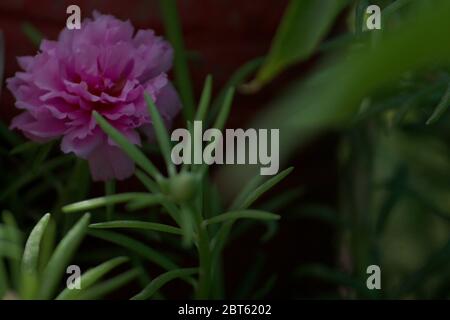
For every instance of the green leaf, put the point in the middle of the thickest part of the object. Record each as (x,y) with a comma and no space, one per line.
(11,251)
(266,186)
(9,136)
(224,110)
(47,245)
(175,36)
(30,259)
(441,108)
(161,134)
(135,246)
(104,201)
(24,147)
(153,187)
(13,248)
(304,24)
(221,120)
(4,285)
(205,99)
(102,289)
(129,224)
(63,253)
(161,280)
(33,34)
(330,275)
(31,175)
(130,149)
(141,203)
(238,77)
(332,96)
(439,260)
(239,214)
(90,277)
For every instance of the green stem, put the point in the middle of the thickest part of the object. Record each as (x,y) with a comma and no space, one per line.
(204,286)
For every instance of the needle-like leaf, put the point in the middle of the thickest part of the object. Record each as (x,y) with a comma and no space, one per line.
(129,224)
(30,258)
(104,201)
(130,149)
(90,277)
(239,214)
(102,289)
(205,99)
(161,133)
(161,280)
(63,253)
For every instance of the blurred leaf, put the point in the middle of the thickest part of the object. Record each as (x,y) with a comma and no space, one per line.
(248,188)
(205,99)
(129,224)
(3,279)
(9,250)
(135,246)
(90,277)
(9,136)
(441,108)
(175,35)
(30,259)
(141,203)
(30,175)
(130,149)
(266,288)
(59,261)
(238,77)
(397,184)
(266,186)
(224,110)
(161,134)
(332,96)
(14,247)
(33,34)
(239,214)
(280,201)
(330,275)
(439,260)
(321,212)
(42,154)
(250,277)
(102,289)
(161,280)
(422,199)
(24,147)
(220,121)
(304,24)
(104,201)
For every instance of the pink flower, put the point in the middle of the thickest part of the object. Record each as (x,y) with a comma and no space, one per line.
(104,67)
